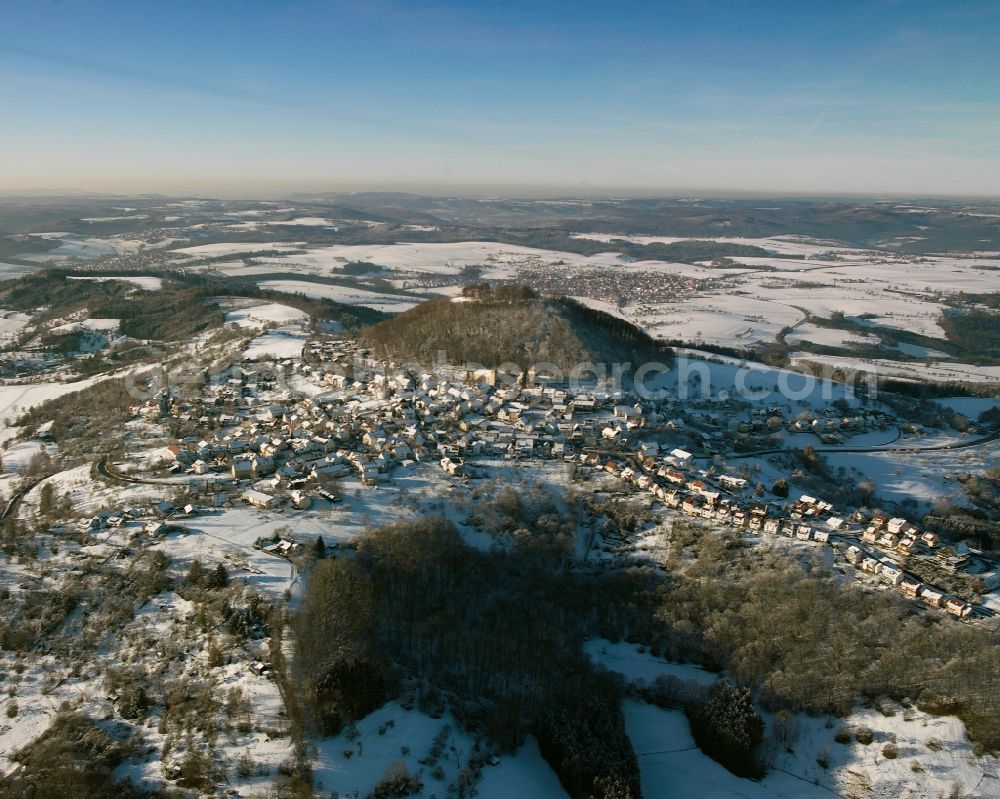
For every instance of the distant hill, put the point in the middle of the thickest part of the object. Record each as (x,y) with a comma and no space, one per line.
(506,324)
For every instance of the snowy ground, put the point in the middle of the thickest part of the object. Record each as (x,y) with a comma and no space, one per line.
(394,735)
(142,281)
(933,752)
(74,247)
(286,341)
(392,303)
(932,372)
(18,398)
(252,313)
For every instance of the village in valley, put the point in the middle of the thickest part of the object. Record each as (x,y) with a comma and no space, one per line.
(168,499)
(352,420)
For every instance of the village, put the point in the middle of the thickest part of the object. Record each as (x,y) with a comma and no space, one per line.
(283,434)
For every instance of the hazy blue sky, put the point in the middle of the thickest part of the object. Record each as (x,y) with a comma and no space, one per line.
(873,96)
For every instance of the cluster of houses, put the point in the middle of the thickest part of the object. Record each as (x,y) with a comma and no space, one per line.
(152,520)
(640,287)
(271,446)
(669,480)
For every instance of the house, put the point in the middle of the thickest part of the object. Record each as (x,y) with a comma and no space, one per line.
(648,449)
(300,501)
(906,543)
(771,526)
(854,555)
(931,596)
(910,587)
(896,525)
(956,607)
(930,539)
(627,412)
(242,468)
(804,532)
(452,466)
(822,536)
(259,499)
(673,476)
(732,483)
(263,464)
(892,574)
(871,566)
(680,456)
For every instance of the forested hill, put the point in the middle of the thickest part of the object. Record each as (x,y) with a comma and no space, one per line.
(506,324)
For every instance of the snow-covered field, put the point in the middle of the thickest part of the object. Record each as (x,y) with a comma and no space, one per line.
(251,313)
(937,372)
(348,295)
(728,319)
(74,247)
(830,337)
(933,753)
(16,399)
(148,283)
(286,341)
(235,248)
(12,323)
(88,324)
(786,245)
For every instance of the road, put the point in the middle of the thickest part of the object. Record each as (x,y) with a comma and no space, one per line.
(15,500)
(106,470)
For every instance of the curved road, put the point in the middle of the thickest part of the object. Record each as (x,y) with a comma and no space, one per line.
(105,470)
(15,500)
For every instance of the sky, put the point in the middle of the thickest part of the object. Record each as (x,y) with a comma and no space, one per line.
(527,97)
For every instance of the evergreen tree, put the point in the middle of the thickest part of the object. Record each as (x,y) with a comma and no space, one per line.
(219,577)
(196,574)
